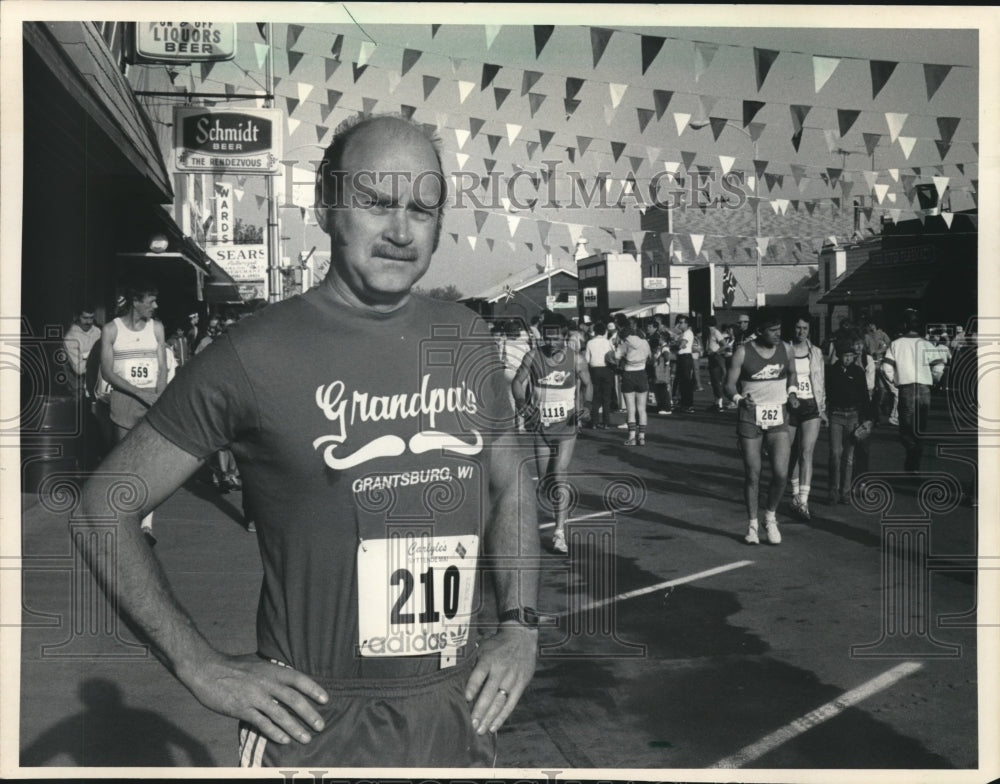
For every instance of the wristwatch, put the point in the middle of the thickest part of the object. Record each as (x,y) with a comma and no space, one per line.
(526,616)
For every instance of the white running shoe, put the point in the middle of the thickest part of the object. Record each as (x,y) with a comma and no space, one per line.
(773,534)
(559,542)
(751,537)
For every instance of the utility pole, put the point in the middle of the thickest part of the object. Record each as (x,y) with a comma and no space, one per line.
(275,288)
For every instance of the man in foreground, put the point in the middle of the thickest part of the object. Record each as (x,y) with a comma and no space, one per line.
(376,454)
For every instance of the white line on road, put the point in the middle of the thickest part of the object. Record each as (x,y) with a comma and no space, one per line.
(770,742)
(657,587)
(590,516)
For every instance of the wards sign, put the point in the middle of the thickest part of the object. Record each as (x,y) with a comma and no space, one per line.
(227,141)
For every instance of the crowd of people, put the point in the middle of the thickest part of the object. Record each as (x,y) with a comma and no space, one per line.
(784,392)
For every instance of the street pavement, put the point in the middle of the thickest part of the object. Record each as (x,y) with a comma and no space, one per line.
(673,644)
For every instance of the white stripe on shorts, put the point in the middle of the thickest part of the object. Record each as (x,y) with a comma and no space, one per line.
(252,745)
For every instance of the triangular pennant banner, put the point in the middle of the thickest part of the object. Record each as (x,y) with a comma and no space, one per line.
(831,140)
(500,95)
(943,148)
(532,147)
(762,243)
(934,75)
(573,85)
(906,143)
(834,175)
(799,116)
(894,173)
(358,71)
(493,141)
(293,60)
(489,74)
(331,67)
(394,79)
(750,109)
(535,101)
(368,104)
(407,111)
(543,230)
(823,68)
(948,217)
(759,168)
(635,162)
(845,119)
(651,45)
(681,120)
(461,137)
(645,115)
(755,130)
(410,57)
(599,37)
(545,137)
(947,126)
(941,184)
(491,34)
(292,125)
(661,100)
(472,242)
(881,71)
(512,132)
(304,91)
(881,191)
(337,47)
(367,50)
(703,54)
(528,81)
(292,104)
(718,124)
(475,125)
(696,243)
(260,51)
(895,121)
(571,105)
(481,216)
(571,154)
(464,88)
(870,179)
(617,148)
(798,172)
(617,93)
(688,158)
(763,59)
(542,34)
(512,224)
(434,29)
(707,104)
(726,163)
(490,166)
(871,142)
(430,82)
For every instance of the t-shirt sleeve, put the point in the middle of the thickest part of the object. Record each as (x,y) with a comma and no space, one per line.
(209,403)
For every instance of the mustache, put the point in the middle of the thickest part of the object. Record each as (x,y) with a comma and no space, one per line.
(394,252)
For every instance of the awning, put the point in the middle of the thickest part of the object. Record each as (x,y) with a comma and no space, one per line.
(645,311)
(890,275)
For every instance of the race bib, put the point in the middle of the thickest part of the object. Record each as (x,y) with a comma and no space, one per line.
(140,372)
(805,389)
(415,595)
(557,405)
(768,416)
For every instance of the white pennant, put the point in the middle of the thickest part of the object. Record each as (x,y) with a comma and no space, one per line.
(617,93)
(894,173)
(881,191)
(394,80)
(762,243)
(775,206)
(895,121)
(948,218)
(512,132)
(870,179)
(726,162)
(261,51)
(462,159)
(367,50)
(894,214)
(681,119)
(464,88)
(238,193)
(491,34)
(575,233)
(906,143)
(512,223)
(461,136)
(304,90)
(696,242)
(472,242)
(891,197)
(823,68)
(292,125)
(671,167)
(941,183)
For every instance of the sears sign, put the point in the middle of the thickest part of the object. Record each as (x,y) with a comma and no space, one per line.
(246,141)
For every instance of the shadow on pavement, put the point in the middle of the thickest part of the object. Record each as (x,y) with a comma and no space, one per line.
(108,733)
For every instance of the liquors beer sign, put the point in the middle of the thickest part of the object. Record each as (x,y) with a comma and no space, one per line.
(183,42)
(245,141)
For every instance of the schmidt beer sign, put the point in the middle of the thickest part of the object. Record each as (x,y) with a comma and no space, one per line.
(246,141)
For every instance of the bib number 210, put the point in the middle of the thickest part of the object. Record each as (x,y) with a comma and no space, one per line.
(429,613)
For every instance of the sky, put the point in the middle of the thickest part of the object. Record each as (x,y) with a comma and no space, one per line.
(332,61)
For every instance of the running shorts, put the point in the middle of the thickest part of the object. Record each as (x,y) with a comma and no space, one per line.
(635,381)
(808,409)
(421,722)
(747,427)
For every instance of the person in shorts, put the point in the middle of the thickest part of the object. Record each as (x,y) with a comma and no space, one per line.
(804,422)
(374,433)
(763,383)
(634,350)
(551,372)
